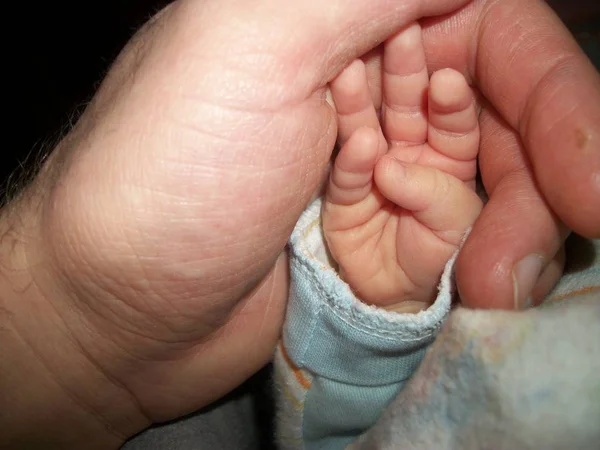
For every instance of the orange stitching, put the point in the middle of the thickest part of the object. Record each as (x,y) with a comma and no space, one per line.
(585,290)
(297,372)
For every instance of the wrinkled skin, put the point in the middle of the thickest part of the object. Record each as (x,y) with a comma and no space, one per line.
(150,249)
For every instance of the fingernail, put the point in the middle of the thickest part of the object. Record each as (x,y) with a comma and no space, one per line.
(525,275)
(329,98)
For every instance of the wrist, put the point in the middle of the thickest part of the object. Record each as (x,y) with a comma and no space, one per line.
(55,390)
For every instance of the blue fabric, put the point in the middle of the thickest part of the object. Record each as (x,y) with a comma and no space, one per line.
(359,356)
(335,413)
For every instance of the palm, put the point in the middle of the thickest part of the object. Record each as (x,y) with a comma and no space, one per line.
(389,251)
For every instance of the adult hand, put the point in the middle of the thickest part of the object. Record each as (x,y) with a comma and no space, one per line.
(540,143)
(143,271)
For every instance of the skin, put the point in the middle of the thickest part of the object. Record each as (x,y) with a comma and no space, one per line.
(399,201)
(143,273)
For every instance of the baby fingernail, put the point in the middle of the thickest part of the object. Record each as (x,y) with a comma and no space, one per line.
(525,274)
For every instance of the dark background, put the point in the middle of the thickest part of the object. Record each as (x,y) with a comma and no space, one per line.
(64,48)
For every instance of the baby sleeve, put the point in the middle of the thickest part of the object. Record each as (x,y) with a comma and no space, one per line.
(340,362)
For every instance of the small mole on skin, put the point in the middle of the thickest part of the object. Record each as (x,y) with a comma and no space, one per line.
(582,137)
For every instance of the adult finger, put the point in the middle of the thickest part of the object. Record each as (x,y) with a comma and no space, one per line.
(516,237)
(528,65)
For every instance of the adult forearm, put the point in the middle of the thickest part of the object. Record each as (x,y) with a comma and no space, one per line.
(53,393)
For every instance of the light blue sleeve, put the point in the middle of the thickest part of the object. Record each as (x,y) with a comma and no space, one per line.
(342,362)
